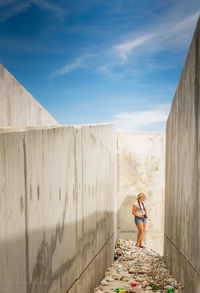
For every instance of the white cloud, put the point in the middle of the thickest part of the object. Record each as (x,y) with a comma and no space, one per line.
(12,7)
(69,67)
(140,120)
(57,11)
(126,48)
(166,34)
(79,62)
(9,8)
(106,70)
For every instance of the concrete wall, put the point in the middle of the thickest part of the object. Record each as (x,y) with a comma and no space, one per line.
(57,208)
(141,168)
(182,210)
(17,106)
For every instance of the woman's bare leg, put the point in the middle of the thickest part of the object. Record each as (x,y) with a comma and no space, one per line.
(140,233)
(144,227)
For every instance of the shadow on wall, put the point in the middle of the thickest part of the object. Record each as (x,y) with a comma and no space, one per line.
(56,209)
(125,218)
(56,259)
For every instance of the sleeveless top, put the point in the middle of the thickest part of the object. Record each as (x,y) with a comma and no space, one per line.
(140,211)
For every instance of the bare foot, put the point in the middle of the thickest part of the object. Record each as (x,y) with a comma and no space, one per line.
(137,245)
(142,246)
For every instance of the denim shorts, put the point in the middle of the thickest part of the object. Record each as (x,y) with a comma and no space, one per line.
(140,220)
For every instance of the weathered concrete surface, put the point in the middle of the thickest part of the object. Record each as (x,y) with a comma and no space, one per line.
(182,210)
(17,106)
(57,208)
(141,169)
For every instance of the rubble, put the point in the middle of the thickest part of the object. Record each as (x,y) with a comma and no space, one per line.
(144,268)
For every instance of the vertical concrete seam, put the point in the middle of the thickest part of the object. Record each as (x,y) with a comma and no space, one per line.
(118,182)
(75,181)
(85,269)
(118,165)
(197,101)
(26,214)
(197,111)
(82,132)
(183,256)
(115,184)
(165,183)
(197,83)
(9,112)
(42,133)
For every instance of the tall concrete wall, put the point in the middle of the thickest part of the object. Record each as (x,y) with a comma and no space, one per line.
(182,210)
(57,208)
(17,106)
(141,168)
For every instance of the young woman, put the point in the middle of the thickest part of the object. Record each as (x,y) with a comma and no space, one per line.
(140,212)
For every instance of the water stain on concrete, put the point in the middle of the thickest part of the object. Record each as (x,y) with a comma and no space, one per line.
(60,193)
(21,204)
(43,277)
(38,192)
(30,191)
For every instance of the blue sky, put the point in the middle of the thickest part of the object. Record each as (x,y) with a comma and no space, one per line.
(99,61)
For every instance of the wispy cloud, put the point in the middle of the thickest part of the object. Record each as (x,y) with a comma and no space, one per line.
(139,120)
(136,55)
(12,7)
(55,10)
(107,70)
(9,8)
(77,63)
(69,67)
(168,34)
(126,48)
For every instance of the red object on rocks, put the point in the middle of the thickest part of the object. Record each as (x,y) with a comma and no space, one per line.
(133,284)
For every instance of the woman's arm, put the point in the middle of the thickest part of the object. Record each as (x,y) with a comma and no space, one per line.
(134,212)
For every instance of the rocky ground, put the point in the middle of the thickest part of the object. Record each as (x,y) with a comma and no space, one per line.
(144,268)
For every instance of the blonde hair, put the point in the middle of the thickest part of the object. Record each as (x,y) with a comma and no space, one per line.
(140,195)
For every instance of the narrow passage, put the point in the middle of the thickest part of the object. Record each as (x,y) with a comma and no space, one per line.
(137,270)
